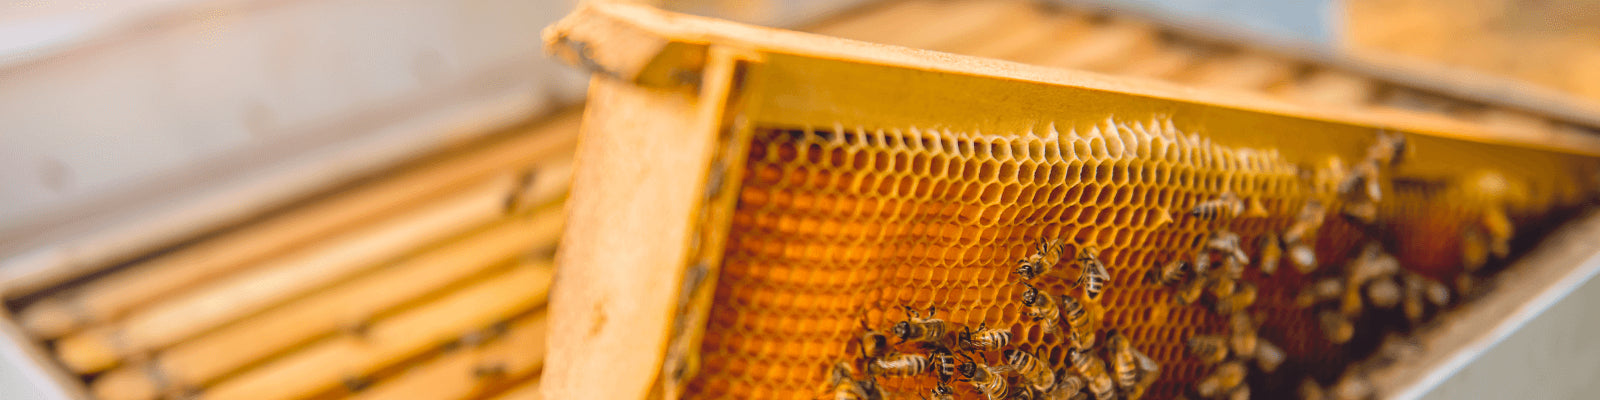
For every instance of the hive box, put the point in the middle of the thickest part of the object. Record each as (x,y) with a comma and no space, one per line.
(745,198)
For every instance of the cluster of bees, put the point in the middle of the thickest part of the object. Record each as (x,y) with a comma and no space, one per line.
(1374,279)
(1217,270)
(1375,274)
(1123,371)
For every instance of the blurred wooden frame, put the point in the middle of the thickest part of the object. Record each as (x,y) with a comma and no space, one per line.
(672,104)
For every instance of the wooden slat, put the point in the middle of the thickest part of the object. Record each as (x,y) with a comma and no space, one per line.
(607,299)
(112,296)
(1030,33)
(324,365)
(883,24)
(965,29)
(283,278)
(1332,87)
(469,372)
(1165,63)
(527,391)
(202,360)
(1245,70)
(1106,47)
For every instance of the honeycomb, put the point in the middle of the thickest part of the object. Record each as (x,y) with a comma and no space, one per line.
(837,226)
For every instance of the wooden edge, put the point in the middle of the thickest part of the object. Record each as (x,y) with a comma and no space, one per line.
(33,362)
(730,143)
(626,23)
(1565,261)
(1389,68)
(631,223)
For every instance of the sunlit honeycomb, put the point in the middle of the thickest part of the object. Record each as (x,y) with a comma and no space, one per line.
(836,226)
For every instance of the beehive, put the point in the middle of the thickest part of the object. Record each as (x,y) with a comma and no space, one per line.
(427,279)
(786,186)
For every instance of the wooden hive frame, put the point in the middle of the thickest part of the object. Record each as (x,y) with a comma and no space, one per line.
(674,104)
(371,259)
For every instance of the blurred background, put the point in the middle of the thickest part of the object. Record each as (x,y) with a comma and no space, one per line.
(238,165)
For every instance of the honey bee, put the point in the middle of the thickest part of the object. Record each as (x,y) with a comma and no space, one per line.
(1395,348)
(1124,364)
(1437,293)
(1350,301)
(1497,226)
(1241,392)
(1269,356)
(1068,384)
(1389,149)
(1120,355)
(1041,308)
(983,339)
(1383,293)
(1336,326)
(1037,373)
(942,391)
(1419,289)
(904,364)
(1243,296)
(988,381)
(1046,254)
(1189,292)
(1227,205)
(1323,290)
(1242,338)
(1093,370)
(1232,269)
(1202,263)
(1411,304)
(1210,349)
(918,329)
(944,363)
(1350,387)
(1077,317)
(873,344)
(1022,393)
(1169,274)
(1464,283)
(1361,212)
(1149,370)
(1311,216)
(1310,390)
(1222,286)
(1227,243)
(1094,276)
(1222,379)
(1304,257)
(1474,249)
(1372,264)
(1271,253)
(843,386)
(1363,176)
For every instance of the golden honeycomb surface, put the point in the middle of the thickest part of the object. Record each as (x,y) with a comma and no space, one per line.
(838,226)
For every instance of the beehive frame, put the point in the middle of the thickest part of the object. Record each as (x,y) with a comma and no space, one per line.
(537,148)
(677,102)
